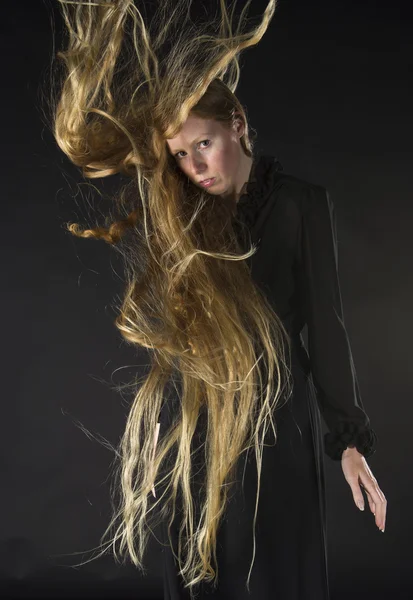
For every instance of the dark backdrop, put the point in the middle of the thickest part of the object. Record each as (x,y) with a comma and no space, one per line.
(329,92)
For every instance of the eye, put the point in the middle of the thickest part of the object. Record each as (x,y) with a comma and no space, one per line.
(201,142)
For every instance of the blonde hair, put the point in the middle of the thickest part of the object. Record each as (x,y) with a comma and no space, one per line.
(117,104)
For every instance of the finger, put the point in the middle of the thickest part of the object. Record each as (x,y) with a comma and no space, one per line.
(369,499)
(377,499)
(371,502)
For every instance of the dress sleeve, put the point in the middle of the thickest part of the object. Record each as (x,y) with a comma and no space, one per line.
(331,360)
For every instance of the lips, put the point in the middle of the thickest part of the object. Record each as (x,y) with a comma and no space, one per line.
(207,182)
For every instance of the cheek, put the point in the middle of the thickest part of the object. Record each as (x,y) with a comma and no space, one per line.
(221,164)
(182,167)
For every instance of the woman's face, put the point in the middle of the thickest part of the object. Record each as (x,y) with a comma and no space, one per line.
(206,149)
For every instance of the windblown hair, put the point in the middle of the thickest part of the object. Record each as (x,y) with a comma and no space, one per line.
(125,90)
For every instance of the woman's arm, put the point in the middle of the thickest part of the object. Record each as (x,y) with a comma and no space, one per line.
(332,366)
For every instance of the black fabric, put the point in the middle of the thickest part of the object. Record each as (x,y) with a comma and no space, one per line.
(292,222)
(307,235)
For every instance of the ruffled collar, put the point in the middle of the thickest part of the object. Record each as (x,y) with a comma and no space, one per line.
(260,183)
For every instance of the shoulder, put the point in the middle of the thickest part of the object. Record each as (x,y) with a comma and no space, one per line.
(301,195)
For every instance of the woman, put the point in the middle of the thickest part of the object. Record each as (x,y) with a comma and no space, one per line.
(227,259)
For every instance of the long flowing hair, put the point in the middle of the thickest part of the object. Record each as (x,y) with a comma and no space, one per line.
(123,90)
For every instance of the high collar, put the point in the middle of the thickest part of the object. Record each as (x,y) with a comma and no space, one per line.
(260,183)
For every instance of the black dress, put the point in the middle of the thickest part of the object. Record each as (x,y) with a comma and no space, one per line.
(293,222)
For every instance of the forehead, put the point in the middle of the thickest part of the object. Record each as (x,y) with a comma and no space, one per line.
(191,130)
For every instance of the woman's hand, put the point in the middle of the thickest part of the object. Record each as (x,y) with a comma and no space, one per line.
(358,475)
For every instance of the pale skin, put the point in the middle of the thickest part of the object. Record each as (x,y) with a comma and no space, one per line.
(205,148)
(358,475)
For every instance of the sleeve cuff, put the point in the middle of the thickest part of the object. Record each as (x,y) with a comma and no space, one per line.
(347,434)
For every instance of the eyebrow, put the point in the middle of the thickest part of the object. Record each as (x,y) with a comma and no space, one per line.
(193,141)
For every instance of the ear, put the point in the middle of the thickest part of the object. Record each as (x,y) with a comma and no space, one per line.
(238,125)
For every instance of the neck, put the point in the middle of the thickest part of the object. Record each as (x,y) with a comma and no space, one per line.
(244,175)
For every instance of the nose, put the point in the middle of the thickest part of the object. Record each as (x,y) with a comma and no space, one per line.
(198,166)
